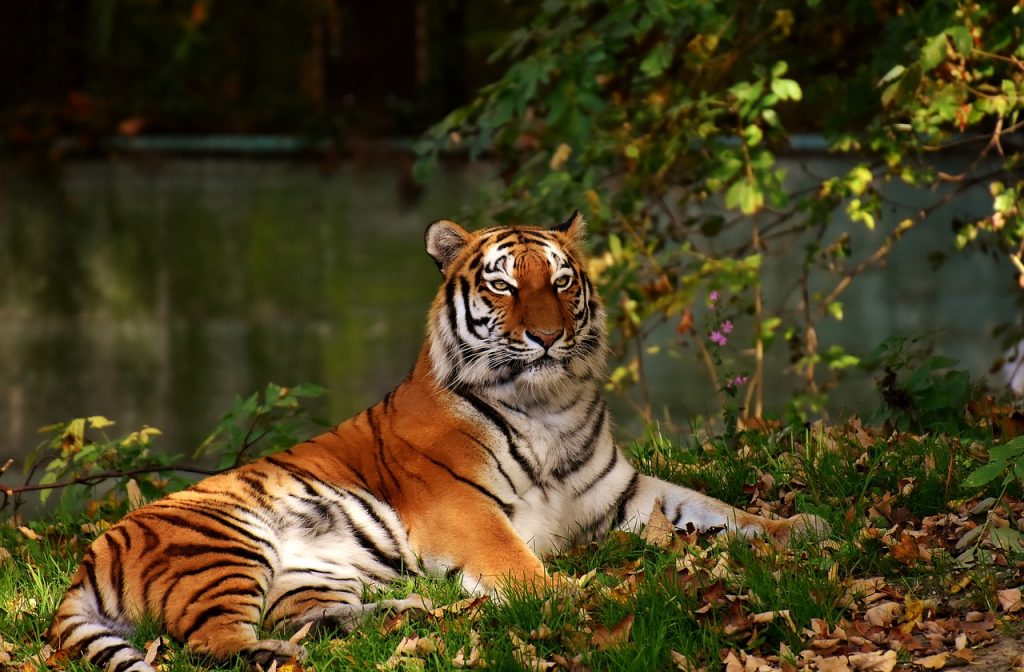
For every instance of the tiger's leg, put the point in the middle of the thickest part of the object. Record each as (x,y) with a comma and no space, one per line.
(471,535)
(349,616)
(683,506)
(224,622)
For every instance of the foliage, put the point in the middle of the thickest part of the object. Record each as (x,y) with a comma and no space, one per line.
(270,422)
(932,395)
(667,120)
(80,452)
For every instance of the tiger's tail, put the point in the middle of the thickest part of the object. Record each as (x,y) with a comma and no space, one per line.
(83,626)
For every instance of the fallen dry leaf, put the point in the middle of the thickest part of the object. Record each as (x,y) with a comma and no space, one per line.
(732,663)
(28,532)
(300,633)
(526,654)
(135,497)
(475,658)
(683,663)
(936,662)
(604,638)
(659,531)
(832,664)
(876,661)
(882,615)
(151,650)
(769,616)
(1010,600)
(469,606)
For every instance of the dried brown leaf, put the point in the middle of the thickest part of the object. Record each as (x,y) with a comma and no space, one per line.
(526,654)
(28,532)
(936,662)
(832,664)
(1010,600)
(604,638)
(151,650)
(300,633)
(659,531)
(876,661)
(882,615)
(732,663)
(135,497)
(683,663)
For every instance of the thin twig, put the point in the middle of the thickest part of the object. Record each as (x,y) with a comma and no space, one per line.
(93,479)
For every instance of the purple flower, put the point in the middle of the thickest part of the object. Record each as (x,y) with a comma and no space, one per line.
(718,337)
(713,296)
(739,380)
(727,327)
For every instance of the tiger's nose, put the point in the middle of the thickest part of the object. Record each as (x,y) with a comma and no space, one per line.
(544,337)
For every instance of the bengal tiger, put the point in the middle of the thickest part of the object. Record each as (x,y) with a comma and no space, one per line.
(495,450)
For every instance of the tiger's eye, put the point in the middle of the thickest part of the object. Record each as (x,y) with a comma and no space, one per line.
(500,285)
(563,281)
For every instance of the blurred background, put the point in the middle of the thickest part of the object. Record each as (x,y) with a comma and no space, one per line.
(197,198)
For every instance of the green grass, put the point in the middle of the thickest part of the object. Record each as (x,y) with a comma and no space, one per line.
(697,603)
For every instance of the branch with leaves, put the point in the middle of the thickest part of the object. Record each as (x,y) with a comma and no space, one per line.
(80,452)
(668,121)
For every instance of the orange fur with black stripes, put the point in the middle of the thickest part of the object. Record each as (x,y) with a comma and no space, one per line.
(496,449)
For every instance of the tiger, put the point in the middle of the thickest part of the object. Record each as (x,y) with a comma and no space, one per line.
(494,451)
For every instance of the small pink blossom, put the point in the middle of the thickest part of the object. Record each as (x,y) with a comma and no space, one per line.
(718,337)
(713,296)
(727,327)
(739,380)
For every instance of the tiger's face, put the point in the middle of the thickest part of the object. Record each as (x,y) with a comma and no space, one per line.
(515,310)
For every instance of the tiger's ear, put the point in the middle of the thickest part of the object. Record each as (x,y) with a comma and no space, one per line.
(575,228)
(445,240)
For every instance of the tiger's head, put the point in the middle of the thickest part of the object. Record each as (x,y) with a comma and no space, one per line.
(516,312)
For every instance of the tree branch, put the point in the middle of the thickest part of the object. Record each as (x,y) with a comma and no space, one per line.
(92,479)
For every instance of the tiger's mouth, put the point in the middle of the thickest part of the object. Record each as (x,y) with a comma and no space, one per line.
(545,361)
(522,367)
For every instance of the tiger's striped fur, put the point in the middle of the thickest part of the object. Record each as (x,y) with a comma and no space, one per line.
(496,449)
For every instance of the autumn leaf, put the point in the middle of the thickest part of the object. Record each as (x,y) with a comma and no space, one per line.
(935,662)
(151,650)
(876,661)
(1010,600)
(29,533)
(605,639)
(882,615)
(659,531)
(300,633)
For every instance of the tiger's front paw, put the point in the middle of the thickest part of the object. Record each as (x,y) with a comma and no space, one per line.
(263,654)
(800,525)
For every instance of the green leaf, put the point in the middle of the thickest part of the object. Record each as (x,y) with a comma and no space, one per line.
(657,60)
(744,195)
(1008,450)
(786,89)
(307,390)
(933,52)
(894,73)
(962,39)
(984,474)
(752,134)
